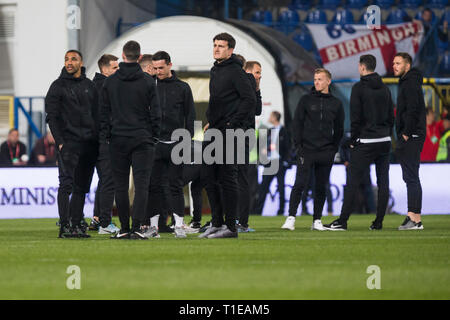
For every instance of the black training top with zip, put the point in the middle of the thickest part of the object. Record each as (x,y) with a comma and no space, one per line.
(71,105)
(130,104)
(232,97)
(371,109)
(318,122)
(411,113)
(177,106)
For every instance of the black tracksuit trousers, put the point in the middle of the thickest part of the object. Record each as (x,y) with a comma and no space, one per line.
(166,184)
(76,163)
(137,152)
(104,196)
(362,155)
(408,155)
(320,162)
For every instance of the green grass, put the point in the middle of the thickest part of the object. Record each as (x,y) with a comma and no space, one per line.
(268,264)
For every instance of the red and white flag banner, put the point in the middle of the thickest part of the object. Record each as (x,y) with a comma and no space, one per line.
(341,46)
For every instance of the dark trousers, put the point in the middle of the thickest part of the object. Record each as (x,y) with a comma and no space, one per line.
(253,186)
(138,153)
(104,196)
(311,187)
(408,155)
(76,163)
(320,162)
(361,157)
(244,194)
(222,190)
(264,187)
(193,173)
(166,185)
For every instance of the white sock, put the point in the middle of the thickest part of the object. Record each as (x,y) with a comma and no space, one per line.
(154,221)
(178,221)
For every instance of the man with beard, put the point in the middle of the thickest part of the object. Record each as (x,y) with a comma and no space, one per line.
(410,124)
(71,105)
(232,99)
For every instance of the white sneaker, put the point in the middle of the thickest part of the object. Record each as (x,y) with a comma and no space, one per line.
(289,224)
(111,229)
(180,232)
(317,225)
(189,229)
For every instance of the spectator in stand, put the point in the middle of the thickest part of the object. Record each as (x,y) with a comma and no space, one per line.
(44,153)
(431,145)
(443,154)
(12,151)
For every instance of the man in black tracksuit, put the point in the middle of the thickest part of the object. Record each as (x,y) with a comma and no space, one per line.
(71,105)
(372,119)
(244,169)
(178,112)
(104,196)
(410,124)
(232,99)
(131,119)
(318,128)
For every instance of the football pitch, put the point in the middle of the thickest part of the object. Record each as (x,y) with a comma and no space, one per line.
(267,264)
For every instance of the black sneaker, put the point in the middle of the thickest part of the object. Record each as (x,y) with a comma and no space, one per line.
(205,227)
(336,225)
(65,232)
(138,235)
(84,225)
(195,224)
(79,231)
(376,226)
(121,235)
(94,225)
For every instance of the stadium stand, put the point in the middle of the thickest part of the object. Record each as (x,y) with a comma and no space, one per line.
(317,16)
(343,16)
(397,15)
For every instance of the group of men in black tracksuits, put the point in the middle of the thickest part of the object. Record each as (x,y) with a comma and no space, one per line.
(318,129)
(125,119)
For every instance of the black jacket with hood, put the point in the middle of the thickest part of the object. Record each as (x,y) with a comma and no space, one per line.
(232,97)
(72,108)
(130,105)
(371,109)
(411,114)
(177,106)
(250,124)
(318,123)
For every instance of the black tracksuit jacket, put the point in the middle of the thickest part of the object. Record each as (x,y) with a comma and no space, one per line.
(177,106)
(318,123)
(99,80)
(411,114)
(72,108)
(232,97)
(371,109)
(130,104)
(250,124)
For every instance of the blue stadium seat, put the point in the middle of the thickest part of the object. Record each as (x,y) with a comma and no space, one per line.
(300,5)
(343,16)
(437,4)
(288,20)
(384,4)
(363,19)
(411,4)
(264,17)
(303,38)
(356,4)
(329,4)
(446,16)
(317,16)
(397,16)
